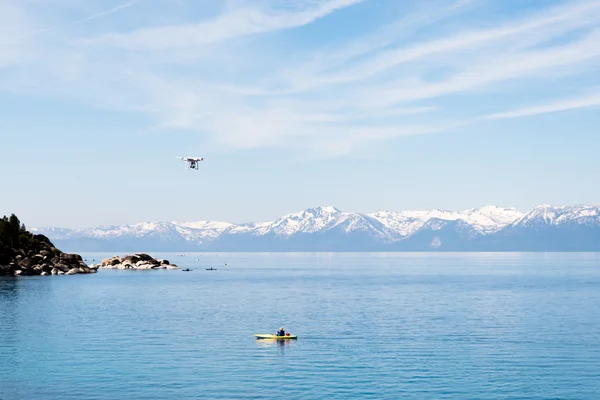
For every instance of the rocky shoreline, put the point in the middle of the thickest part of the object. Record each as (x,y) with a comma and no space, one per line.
(42,259)
(137,261)
(23,253)
(46,262)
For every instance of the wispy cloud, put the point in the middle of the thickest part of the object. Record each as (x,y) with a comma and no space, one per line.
(106,12)
(585,101)
(261,74)
(234,22)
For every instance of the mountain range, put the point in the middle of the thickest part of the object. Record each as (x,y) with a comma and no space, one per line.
(326,228)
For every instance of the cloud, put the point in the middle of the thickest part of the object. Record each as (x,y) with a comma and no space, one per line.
(233,23)
(238,82)
(15,26)
(106,12)
(585,101)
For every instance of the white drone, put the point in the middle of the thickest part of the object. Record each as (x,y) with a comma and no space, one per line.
(192,162)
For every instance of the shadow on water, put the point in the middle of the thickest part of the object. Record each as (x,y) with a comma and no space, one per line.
(281,345)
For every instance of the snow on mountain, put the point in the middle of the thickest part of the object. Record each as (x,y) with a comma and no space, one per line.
(558,215)
(164,229)
(205,229)
(490,218)
(308,221)
(486,219)
(388,226)
(313,220)
(51,231)
(327,228)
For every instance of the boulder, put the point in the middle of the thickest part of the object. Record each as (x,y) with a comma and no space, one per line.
(73,271)
(138,261)
(144,257)
(46,253)
(131,259)
(62,267)
(74,258)
(26,263)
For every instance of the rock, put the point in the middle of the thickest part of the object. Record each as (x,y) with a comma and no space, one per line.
(131,259)
(105,262)
(139,261)
(63,267)
(18,272)
(73,271)
(54,271)
(46,253)
(144,257)
(61,273)
(26,263)
(44,273)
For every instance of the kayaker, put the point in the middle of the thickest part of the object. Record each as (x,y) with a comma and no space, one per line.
(281,332)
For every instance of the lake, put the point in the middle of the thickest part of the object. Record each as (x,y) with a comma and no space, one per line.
(369,326)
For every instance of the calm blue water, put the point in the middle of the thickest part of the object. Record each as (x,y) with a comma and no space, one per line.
(381,326)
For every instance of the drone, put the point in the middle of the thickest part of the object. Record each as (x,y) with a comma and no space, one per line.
(192,162)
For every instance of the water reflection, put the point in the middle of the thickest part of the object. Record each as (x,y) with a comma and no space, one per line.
(280,344)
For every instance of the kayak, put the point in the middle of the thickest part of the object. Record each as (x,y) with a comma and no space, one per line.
(273,336)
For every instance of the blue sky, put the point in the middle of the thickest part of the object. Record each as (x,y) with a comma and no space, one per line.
(365,105)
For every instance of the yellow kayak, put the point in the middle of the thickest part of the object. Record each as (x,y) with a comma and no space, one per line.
(272,336)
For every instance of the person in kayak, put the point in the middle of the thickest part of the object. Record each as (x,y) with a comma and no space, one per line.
(281,332)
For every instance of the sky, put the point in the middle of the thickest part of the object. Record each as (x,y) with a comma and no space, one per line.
(365,105)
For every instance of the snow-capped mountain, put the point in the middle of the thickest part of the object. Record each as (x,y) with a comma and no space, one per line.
(552,215)
(326,228)
(486,219)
